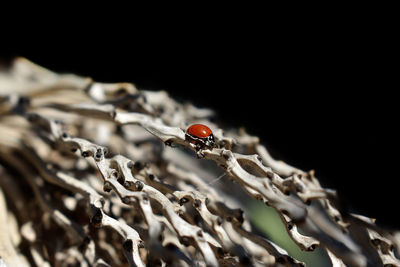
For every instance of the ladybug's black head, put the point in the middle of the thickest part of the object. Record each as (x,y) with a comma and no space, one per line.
(210,142)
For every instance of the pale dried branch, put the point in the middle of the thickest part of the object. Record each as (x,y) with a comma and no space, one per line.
(93,154)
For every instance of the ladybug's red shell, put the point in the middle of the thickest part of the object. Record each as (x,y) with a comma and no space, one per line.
(199,130)
(201,136)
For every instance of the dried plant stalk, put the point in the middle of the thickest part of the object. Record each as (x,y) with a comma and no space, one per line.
(101,175)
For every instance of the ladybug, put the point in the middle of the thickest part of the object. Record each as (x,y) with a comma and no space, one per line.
(201,136)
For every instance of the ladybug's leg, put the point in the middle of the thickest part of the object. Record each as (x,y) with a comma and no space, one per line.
(199,153)
(198,146)
(199,150)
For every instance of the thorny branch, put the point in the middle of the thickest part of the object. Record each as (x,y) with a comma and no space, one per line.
(91,155)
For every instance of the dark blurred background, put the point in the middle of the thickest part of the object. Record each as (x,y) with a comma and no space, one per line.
(320,97)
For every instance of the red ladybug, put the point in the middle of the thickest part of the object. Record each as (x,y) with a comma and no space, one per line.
(201,136)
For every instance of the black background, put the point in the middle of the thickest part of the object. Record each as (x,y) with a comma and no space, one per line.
(320,97)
